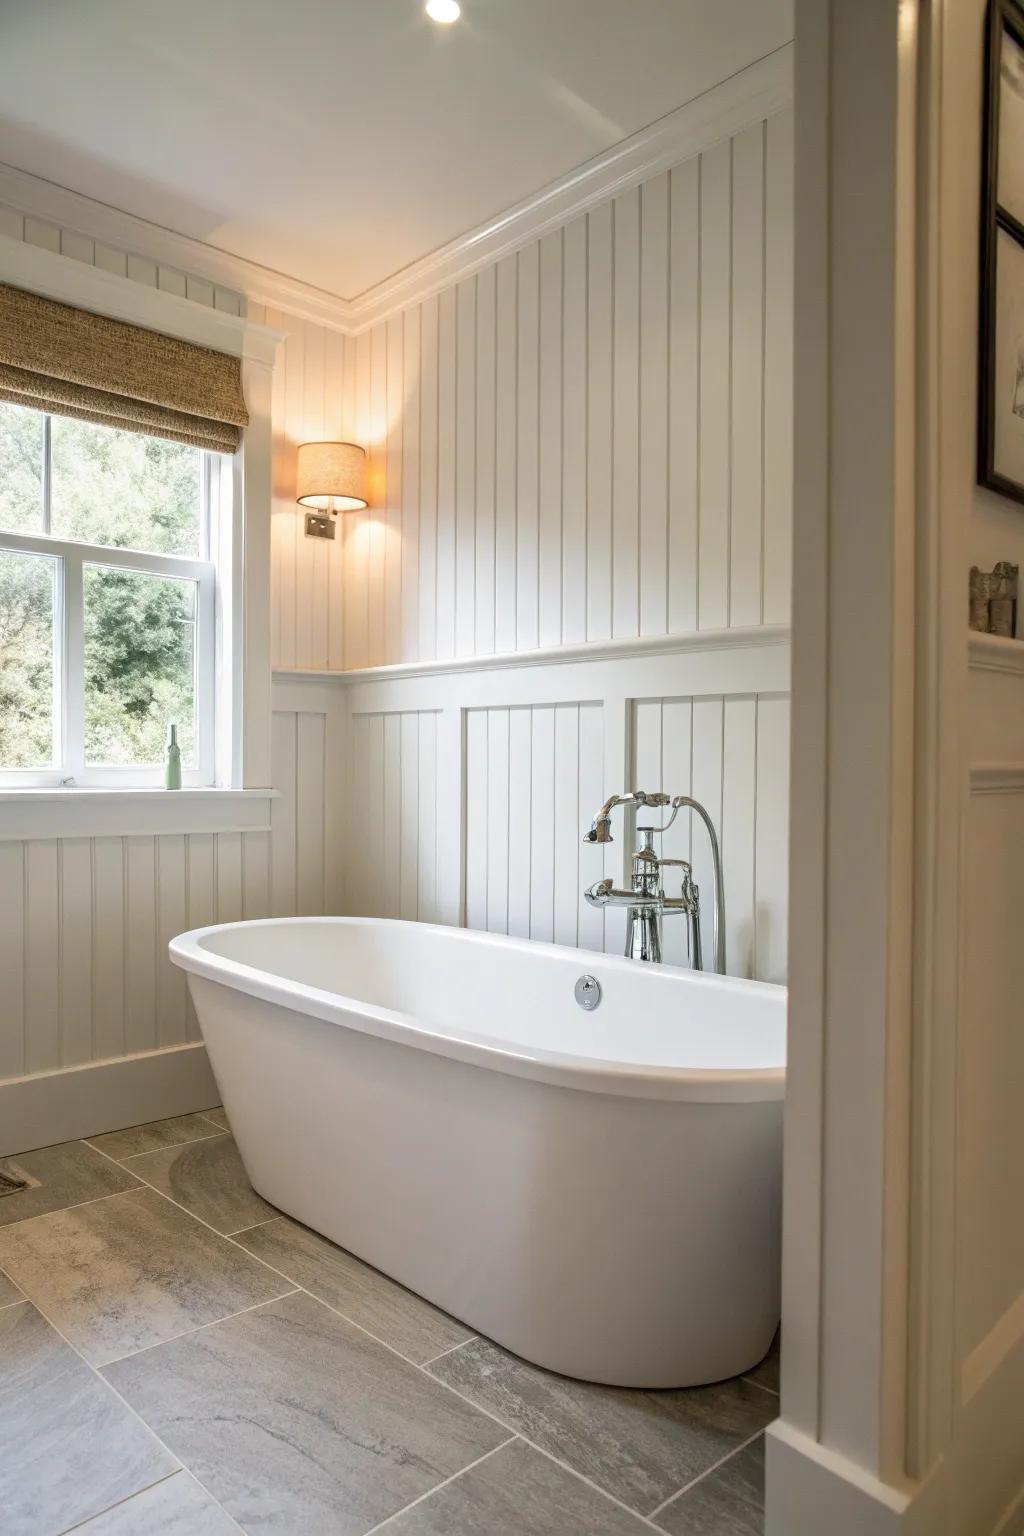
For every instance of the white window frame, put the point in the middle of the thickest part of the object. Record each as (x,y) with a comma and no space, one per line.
(71,557)
(240,499)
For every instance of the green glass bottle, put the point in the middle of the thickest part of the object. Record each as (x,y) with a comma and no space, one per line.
(172,771)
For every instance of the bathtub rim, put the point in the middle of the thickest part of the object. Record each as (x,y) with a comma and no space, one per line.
(558,1068)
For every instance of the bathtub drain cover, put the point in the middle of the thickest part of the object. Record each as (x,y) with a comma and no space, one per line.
(588,992)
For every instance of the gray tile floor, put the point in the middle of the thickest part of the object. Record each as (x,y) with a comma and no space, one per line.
(179,1359)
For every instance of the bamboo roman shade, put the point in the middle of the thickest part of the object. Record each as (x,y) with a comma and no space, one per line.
(56,358)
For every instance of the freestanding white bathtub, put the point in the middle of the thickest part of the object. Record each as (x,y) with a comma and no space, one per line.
(599,1191)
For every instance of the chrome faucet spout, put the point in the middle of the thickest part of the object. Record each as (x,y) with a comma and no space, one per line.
(601,826)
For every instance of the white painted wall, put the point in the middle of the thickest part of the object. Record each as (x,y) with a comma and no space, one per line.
(587,440)
(83,944)
(903,1295)
(469,787)
(590,438)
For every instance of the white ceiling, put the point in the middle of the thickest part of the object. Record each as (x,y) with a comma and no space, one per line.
(339,140)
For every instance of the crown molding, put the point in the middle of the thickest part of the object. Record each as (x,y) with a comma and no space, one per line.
(41,199)
(746,97)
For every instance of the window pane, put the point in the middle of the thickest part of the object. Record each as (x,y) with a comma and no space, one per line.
(111,487)
(27,584)
(21,468)
(139,666)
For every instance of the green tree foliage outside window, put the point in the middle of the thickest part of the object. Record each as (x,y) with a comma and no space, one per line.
(123,491)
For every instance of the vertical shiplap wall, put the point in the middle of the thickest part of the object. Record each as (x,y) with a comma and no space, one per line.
(87,921)
(391,854)
(731,754)
(83,954)
(588,440)
(534,777)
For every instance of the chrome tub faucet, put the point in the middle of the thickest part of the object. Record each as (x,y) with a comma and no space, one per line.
(646,902)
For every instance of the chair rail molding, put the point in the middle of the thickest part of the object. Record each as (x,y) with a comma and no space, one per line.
(755,92)
(995,653)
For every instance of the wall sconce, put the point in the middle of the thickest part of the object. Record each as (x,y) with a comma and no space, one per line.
(332,478)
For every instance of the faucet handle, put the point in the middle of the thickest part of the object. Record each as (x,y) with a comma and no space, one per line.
(689,892)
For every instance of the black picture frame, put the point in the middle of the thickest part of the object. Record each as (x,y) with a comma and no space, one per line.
(1004,17)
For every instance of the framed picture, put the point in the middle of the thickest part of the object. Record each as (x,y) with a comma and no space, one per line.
(1001,349)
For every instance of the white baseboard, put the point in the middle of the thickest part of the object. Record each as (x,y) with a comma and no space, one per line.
(103,1096)
(814,1491)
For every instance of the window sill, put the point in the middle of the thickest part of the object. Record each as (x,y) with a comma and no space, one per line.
(132,811)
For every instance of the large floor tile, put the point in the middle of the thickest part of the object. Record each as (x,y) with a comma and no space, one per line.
(296,1421)
(59,1176)
(68,1446)
(218,1117)
(387,1310)
(639,1446)
(175,1507)
(208,1179)
(8,1291)
(516,1492)
(123,1274)
(151,1137)
(728,1502)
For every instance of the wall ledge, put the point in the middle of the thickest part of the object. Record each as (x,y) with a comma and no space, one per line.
(994,653)
(82,812)
(997,778)
(755,637)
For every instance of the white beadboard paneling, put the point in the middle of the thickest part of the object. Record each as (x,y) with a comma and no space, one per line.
(140,940)
(683,397)
(732,754)
(429,423)
(626,231)
(528,444)
(12,960)
(600,417)
(391,848)
(778,365)
(715,385)
(589,438)
(530,776)
(653,405)
(771,885)
(505,455)
(465,468)
(171,906)
(108,940)
(200,900)
(550,439)
(574,433)
(444,574)
(310,773)
(42,956)
(299,850)
(485,432)
(76,951)
(87,920)
(746,379)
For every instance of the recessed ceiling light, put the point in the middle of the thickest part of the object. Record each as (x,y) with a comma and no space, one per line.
(444,11)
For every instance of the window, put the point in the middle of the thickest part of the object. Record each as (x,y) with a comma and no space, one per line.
(107,600)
